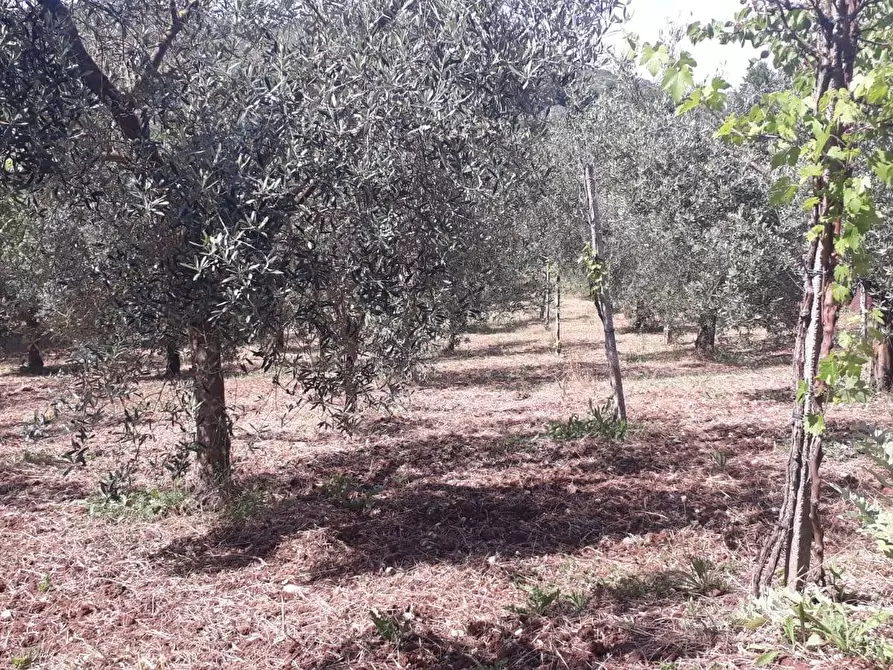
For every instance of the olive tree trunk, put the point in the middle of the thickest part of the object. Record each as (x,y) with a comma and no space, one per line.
(882,360)
(35,358)
(212,424)
(705,342)
(173,361)
(602,296)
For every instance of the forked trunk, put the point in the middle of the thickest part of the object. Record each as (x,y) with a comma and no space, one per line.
(799,532)
(212,424)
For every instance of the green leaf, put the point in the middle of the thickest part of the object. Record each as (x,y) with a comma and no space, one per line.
(788,156)
(840,293)
(677,81)
(693,101)
(754,623)
(814,424)
(811,170)
(802,390)
(654,58)
(782,192)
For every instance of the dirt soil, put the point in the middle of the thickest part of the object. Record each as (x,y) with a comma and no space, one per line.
(430,538)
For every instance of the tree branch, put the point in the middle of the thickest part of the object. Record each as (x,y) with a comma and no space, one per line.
(94,78)
(179,19)
(783,7)
(97,82)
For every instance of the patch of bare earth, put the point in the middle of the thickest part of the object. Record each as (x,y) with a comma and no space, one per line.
(442,518)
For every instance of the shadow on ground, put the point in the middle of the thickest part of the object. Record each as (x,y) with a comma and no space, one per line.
(436,500)
(528,642)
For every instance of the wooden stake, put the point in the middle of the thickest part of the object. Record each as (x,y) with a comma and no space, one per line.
(603,297)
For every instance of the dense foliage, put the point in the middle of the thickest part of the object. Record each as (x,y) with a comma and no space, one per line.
(250,170)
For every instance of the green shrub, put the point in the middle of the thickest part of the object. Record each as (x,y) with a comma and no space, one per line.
(246,503)
(812,620)
(539,600)
(877,514)
(345,491)
(702,578)
(136,503)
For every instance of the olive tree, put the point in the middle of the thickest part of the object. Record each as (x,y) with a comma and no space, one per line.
(233,171)
(692,233)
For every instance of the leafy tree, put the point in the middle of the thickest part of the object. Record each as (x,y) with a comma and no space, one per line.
(693,235)
(228,172)
(827,125)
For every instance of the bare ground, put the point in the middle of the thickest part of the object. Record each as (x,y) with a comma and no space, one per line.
(440,518)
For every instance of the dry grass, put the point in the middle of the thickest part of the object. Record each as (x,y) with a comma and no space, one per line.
(442,517)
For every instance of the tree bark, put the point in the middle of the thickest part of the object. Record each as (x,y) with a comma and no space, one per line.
(798,534)
(35,359)
(557,312)
(643,319)
(882,363)
(547,298)
(705,342)
(602,297)
(34,331)
(172,355)
(352,327)
(212,424)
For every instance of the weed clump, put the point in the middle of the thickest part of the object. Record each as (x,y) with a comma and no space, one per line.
(137,503)
(600,421)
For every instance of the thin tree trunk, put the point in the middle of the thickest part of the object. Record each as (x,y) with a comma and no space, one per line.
(34,331)
(172,367)
(458,325)
(547,297)
(602,296)
(705,342)
(35,359)
(882,360)
(671,334)
(558,312)
(863,312)
(212,424)
(353,327)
